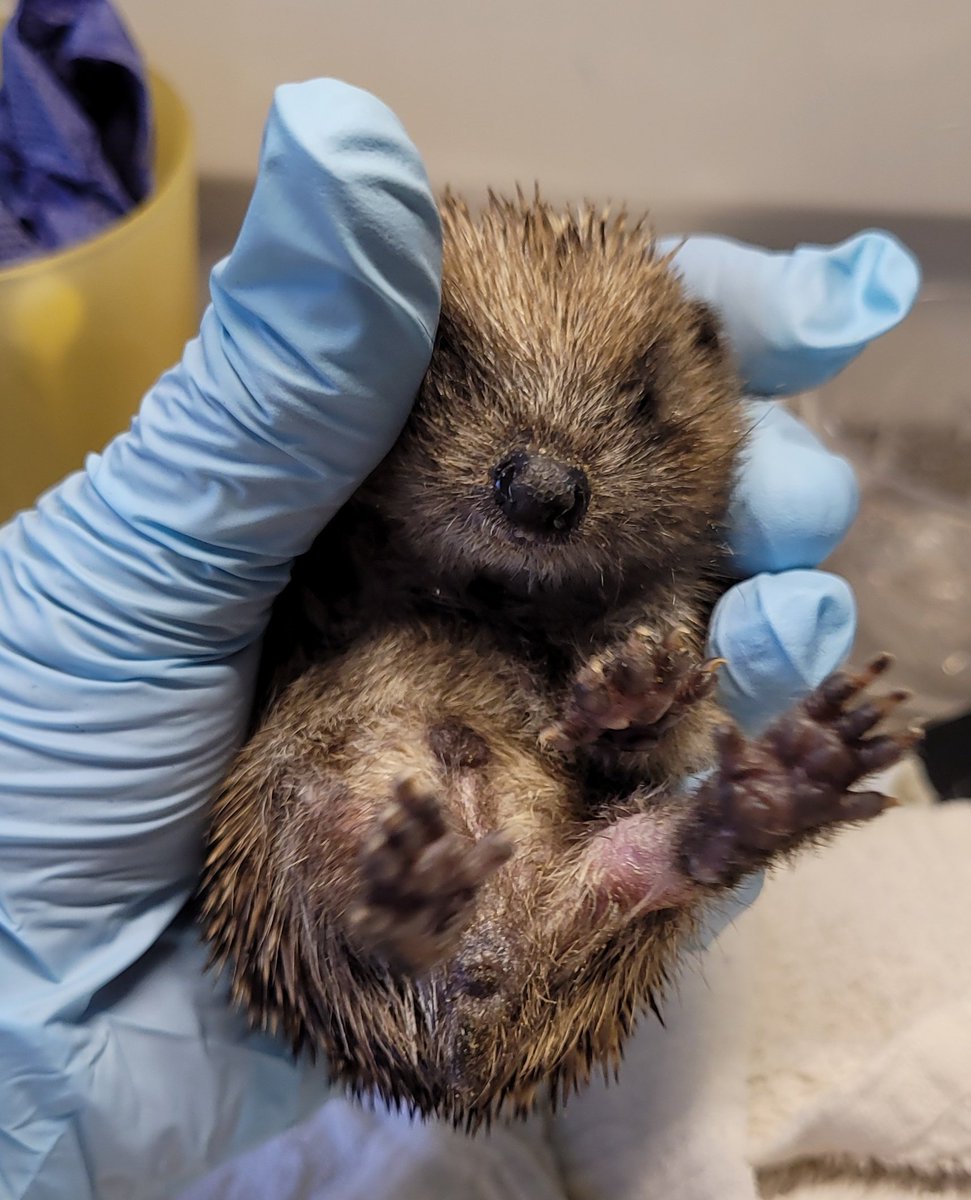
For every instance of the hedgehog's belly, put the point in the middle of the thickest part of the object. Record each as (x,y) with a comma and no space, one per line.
(381,924)
(538,985)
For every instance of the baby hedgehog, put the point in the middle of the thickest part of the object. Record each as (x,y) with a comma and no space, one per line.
(459,855)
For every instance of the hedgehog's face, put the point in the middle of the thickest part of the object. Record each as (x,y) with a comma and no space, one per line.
(579,420)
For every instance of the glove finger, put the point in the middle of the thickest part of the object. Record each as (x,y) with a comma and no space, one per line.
(794,500)
(781,635)
(329,301)
(794,320)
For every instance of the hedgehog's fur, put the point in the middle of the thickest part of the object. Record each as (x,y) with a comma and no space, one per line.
(423,649)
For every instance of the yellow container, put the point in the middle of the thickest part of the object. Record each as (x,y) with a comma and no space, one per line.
(86,331)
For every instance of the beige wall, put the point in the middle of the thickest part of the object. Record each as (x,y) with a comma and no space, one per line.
(688,106)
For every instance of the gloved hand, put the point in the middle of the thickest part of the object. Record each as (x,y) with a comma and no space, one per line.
(794,321)
(132,598)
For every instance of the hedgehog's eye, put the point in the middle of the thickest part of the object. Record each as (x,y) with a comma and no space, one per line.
(641,385)
(646,403)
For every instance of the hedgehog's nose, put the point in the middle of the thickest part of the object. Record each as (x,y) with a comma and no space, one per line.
(539,494)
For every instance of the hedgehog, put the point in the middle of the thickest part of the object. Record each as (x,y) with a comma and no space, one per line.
(489,797)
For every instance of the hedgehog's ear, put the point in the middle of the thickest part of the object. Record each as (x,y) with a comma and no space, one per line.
(448,356)
(708,332)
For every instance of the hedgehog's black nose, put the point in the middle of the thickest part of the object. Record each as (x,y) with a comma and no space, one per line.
(539,494)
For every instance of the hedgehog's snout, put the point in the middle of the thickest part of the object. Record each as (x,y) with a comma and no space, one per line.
(539,495)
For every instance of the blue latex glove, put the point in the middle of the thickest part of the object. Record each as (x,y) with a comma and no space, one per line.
(794,320)
(131,601)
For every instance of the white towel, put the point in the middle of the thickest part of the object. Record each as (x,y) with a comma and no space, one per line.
(862,1039)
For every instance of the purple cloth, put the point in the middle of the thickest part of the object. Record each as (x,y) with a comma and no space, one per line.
(75,125)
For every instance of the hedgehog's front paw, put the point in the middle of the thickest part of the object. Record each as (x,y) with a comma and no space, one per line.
(629,696)
(419,881)
(791,785)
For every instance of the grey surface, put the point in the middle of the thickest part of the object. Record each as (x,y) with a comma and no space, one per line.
(222,206)
(941,243)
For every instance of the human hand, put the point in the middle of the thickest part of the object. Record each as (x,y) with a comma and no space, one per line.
(132,601)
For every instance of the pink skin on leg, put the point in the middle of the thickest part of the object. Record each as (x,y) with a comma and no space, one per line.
(634,863)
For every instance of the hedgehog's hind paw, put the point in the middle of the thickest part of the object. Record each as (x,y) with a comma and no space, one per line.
(419,882)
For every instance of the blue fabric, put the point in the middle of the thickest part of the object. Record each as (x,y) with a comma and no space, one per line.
(132,598)
(75,125)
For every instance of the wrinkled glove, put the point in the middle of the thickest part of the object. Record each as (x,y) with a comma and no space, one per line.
(794,321)
(133,596)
